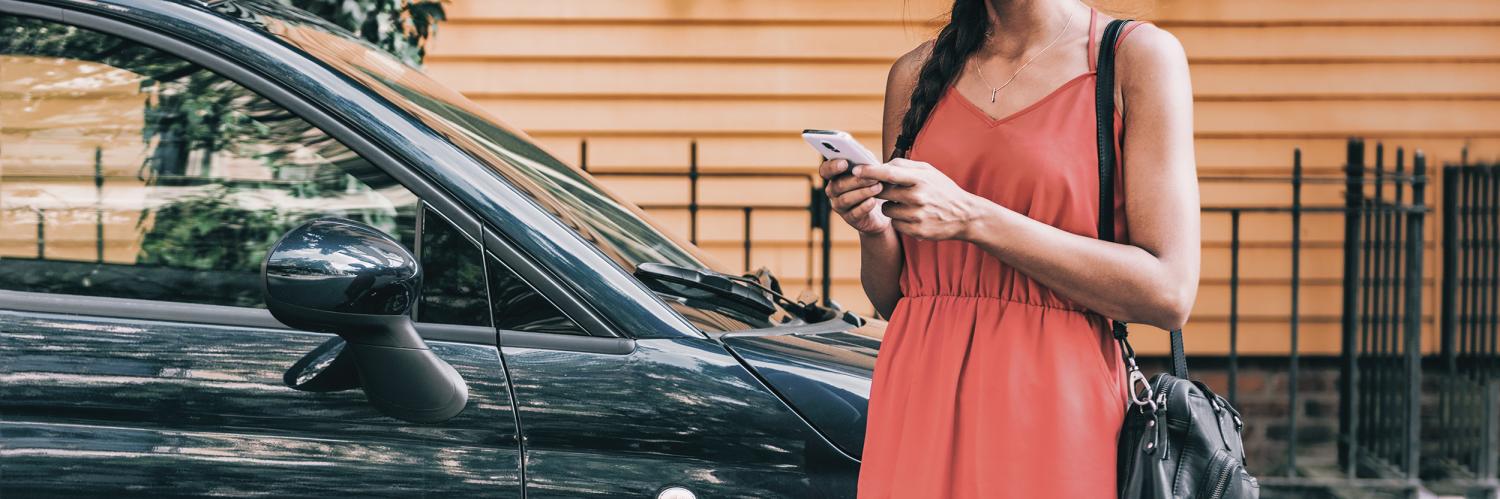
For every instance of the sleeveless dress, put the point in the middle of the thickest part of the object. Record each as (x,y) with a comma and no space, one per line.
(988,384)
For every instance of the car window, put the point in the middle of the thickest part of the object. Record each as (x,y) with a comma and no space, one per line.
(518,307)
(453,289)
(127,172)
(707,317)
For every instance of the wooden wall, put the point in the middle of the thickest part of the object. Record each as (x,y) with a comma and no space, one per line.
(54,172)
(639,80)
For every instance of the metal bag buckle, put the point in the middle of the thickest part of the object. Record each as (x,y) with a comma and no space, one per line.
(1140,388)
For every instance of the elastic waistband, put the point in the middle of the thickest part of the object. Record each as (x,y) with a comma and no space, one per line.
(1005,299)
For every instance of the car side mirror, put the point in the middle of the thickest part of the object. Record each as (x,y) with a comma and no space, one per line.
(340,276)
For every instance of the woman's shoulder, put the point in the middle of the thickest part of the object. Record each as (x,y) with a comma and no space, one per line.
(1147,48)
(906,67)
(1148,60)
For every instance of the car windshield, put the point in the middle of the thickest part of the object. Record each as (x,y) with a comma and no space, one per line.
(619,228)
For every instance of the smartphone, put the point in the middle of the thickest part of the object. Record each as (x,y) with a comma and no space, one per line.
(837,144)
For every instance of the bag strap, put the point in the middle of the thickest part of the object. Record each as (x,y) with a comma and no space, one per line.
(1104,109)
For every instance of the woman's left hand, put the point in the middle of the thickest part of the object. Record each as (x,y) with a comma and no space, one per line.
(924,203)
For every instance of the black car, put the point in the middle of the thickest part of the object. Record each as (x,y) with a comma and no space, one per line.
(246,253)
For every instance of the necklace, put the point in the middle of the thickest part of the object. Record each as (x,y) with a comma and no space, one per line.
(995,91)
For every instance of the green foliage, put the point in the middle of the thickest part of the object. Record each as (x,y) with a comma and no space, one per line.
(211,232)
(196,110)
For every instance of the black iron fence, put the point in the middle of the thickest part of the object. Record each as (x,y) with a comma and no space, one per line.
(1295,210)
(1467,416)
(1380,389)
(1380,365)
(15,214)
(819,239)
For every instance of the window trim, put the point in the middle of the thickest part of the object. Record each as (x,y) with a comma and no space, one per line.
(426,192)
(566,342)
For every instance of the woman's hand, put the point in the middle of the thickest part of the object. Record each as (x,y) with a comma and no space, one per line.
(853,198)
(922,201)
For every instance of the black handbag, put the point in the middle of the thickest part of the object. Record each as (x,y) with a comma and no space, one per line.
(1180,439)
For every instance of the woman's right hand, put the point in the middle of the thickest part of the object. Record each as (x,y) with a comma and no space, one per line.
(853,198)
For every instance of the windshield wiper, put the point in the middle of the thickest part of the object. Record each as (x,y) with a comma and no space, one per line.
(719,284)
(742,288)
(810,312)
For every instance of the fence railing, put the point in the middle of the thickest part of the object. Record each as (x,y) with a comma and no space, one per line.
(1468,407)
(1381,388)
(1380,318)
(819,239)
(1295,211)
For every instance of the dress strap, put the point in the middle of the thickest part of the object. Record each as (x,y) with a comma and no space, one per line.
(1124,32)
(1131,26)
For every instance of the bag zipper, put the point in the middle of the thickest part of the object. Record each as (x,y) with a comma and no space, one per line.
(1165,395)
(1226,468)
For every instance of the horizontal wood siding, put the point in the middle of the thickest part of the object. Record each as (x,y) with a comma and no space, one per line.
(642,80)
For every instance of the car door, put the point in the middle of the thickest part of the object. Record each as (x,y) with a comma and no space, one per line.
(623,417)
(139,195)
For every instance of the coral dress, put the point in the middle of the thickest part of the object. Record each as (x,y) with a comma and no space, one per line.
(988,384)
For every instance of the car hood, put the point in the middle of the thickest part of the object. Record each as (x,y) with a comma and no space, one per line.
(822,370)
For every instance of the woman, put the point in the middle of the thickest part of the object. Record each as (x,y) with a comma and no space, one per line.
(997,376)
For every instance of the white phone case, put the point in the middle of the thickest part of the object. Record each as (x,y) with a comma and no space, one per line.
(837,144)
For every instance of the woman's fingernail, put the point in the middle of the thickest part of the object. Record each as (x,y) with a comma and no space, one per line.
(855,170)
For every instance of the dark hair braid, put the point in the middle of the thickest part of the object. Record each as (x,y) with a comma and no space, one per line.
(955,43)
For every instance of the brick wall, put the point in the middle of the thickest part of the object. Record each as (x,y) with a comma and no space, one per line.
(1263,403)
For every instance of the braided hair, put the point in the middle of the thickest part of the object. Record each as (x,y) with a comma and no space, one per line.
(963,35)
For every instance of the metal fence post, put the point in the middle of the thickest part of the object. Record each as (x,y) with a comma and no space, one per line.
(827,251)
(1491,274)
(693,192)
(1447,312)
(1413,312)
(99,204)
(1466,266)
(41,233)
(747,237)
(1450,271)
(1385,442)
(1293,373)
(1354,173)
(822,214)
(1234,306)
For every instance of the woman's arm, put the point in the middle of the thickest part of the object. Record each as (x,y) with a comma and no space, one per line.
(1152,280)
(881,259)
(853,198)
